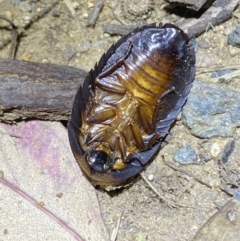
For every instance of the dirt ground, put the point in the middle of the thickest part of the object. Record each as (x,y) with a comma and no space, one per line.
(55,38)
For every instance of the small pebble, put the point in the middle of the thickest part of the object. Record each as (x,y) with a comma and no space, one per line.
(193,192)
(204,157)
(26,58)
(171,148)
(217,148)
(220,73)
(237,193)
(68,52)
(25,7)
(16,22)
(150,177)
(55,12)
(45,171)
(85,15)
(45,61)
(233,51)
(231,215)
(209,166)
(185,155)
(33,6)
(59,195)
(85,47)
(16,2)
(27,17)
(227,151)
(203,58)
(228,30)
(234,37)
(90,5)
(75,5)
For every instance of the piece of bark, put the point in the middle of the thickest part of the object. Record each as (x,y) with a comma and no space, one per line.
(219,12)
(35,90)
(192,4)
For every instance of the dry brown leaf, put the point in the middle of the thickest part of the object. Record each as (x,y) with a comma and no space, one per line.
(37,164)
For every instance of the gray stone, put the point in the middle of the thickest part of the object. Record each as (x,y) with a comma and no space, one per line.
(185,155)
(16,2)
(25,7)
(227,151)
(234,37)
(55,12)
(237,193)
(68,52)
(212,110)
(85,47)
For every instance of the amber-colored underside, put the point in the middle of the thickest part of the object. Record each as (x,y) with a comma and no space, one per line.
(122,115)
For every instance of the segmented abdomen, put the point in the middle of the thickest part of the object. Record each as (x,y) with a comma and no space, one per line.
(147,82)
(127,102)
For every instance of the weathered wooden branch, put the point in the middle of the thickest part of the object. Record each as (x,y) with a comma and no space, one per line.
(34,90)
(192,4)
(219,12)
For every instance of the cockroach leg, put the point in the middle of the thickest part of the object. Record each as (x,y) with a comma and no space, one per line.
(138,136)
(152,140)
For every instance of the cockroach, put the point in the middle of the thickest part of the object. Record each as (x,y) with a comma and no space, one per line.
(128,101)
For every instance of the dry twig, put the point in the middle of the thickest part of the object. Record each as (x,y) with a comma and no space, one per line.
(95,13)
(116,229)
(13,38)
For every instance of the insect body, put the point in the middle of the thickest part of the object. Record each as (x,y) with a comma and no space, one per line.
(127,103)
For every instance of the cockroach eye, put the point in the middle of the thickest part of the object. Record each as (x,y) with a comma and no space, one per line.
(98,160)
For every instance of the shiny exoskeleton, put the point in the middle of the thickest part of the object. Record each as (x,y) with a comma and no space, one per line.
(127,103)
